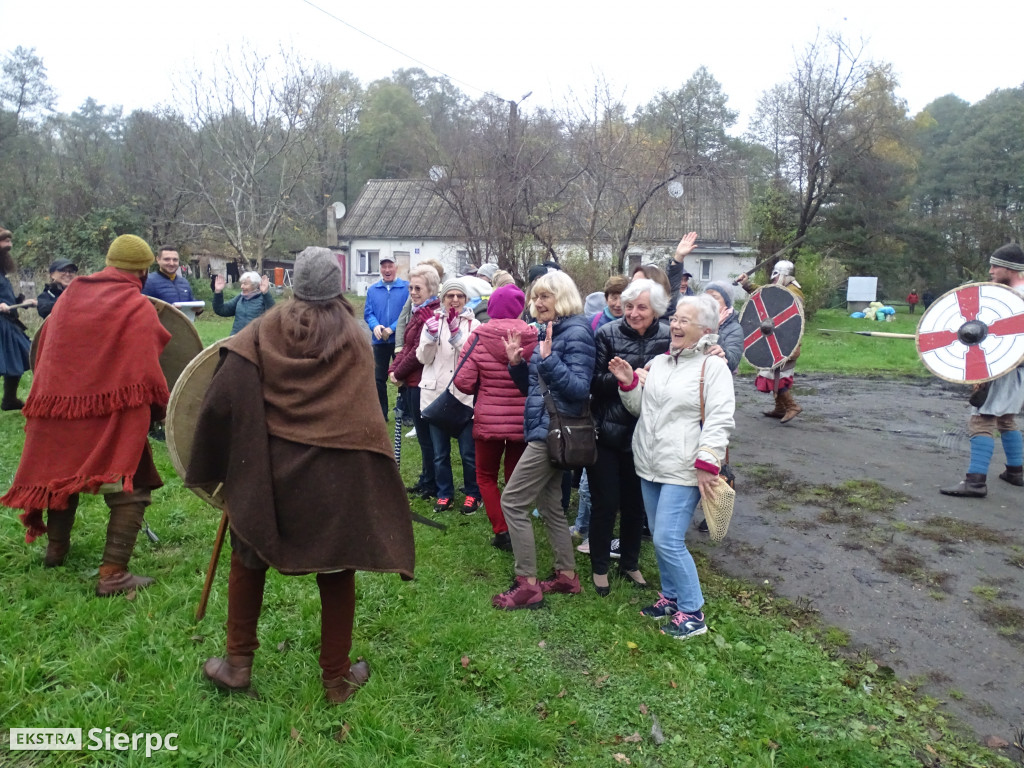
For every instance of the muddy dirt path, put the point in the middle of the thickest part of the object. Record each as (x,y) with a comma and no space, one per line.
(926,584)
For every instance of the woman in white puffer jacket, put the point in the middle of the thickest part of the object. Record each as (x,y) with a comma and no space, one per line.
(676,458)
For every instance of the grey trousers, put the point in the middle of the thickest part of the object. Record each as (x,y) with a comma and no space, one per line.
(535,479)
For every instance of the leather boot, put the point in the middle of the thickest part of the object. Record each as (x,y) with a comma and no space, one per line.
(126,511)
(972,487)
(780,408)
(232,673)
(1013,475)
(340,689)
(792,409)
(117,580)
(10,401)
(58,533)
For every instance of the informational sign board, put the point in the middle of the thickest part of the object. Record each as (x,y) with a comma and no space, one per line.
(862,289)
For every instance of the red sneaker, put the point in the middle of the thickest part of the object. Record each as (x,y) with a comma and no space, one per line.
(522,594)
(559,582)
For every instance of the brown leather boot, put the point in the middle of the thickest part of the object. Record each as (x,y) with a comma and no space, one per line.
(116,580)
(779,411)
(1013,475)
(58,533)
(792,409)
(232,673)
(340,689)
(971,487)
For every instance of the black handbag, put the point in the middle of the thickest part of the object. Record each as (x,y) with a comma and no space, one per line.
(447,412)
(572,440)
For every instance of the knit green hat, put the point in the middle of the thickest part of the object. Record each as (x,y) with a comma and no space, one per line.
(130,252)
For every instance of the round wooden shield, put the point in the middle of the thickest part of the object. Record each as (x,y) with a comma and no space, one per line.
(973,334)
(184,345)
(773,324)
(183,413)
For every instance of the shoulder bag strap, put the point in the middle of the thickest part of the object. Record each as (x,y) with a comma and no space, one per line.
(476,338)
(549,401)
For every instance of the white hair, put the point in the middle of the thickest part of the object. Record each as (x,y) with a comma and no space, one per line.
(251,277)
(707,310)
(658,299)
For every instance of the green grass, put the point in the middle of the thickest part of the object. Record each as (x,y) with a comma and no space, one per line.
(852,355)
(455,682)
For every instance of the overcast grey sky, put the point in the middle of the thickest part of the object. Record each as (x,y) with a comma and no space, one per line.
(127,52)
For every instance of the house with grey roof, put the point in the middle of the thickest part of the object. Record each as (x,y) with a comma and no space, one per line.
(407,220)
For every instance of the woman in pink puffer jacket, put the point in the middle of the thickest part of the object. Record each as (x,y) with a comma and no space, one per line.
(498,415)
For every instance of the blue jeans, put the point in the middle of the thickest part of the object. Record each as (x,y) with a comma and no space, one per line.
(441,442)
(669,512)
(582,523)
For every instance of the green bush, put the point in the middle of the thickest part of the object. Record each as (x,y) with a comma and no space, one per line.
(819,278)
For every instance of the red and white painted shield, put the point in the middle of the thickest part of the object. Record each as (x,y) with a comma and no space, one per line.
(773,324)
(973,334)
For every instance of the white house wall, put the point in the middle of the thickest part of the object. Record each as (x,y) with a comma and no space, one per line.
(418,250)
(725,264)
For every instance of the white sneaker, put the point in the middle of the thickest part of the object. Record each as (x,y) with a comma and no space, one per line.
(584,547)
(411,432)
(614,553)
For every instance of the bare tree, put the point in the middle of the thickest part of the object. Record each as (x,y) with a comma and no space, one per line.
(254,124)
(815,129)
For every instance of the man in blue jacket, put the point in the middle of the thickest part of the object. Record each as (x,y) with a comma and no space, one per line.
(166,284)
(384,302)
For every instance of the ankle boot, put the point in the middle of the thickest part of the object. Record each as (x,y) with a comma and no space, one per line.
(1013,475)
(58,533)
(972,487)
(117,580)
(780,408)
(792,409)
(341,688)
(231,673)
(10,401)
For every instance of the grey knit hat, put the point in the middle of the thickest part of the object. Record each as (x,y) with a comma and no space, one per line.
(317,275)
(722,289)
(453,285)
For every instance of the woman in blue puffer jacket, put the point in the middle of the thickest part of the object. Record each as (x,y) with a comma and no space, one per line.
(564,358)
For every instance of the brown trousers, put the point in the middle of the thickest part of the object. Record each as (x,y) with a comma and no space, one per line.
(337,614)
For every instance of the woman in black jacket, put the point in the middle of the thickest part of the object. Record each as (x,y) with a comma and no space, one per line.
(614,486)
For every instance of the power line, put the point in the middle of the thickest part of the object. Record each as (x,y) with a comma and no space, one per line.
(396,50)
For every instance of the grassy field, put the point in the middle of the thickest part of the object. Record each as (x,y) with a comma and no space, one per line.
(849,354)
(586,681)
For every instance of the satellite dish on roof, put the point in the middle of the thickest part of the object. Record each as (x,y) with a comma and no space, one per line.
(436,173)
(675,189)
(339,210)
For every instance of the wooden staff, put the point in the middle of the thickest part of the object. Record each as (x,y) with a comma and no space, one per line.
(883,334)
(775,255)
(218,545)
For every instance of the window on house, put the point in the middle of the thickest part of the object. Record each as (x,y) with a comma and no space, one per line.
(705,269)
(461,262)
(369,262)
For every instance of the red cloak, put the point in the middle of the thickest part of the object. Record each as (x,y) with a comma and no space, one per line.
(96,386)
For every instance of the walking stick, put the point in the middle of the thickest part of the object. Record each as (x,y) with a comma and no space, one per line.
(218,545)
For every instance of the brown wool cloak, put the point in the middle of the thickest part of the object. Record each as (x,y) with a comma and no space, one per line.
(308,474)
(96,387)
